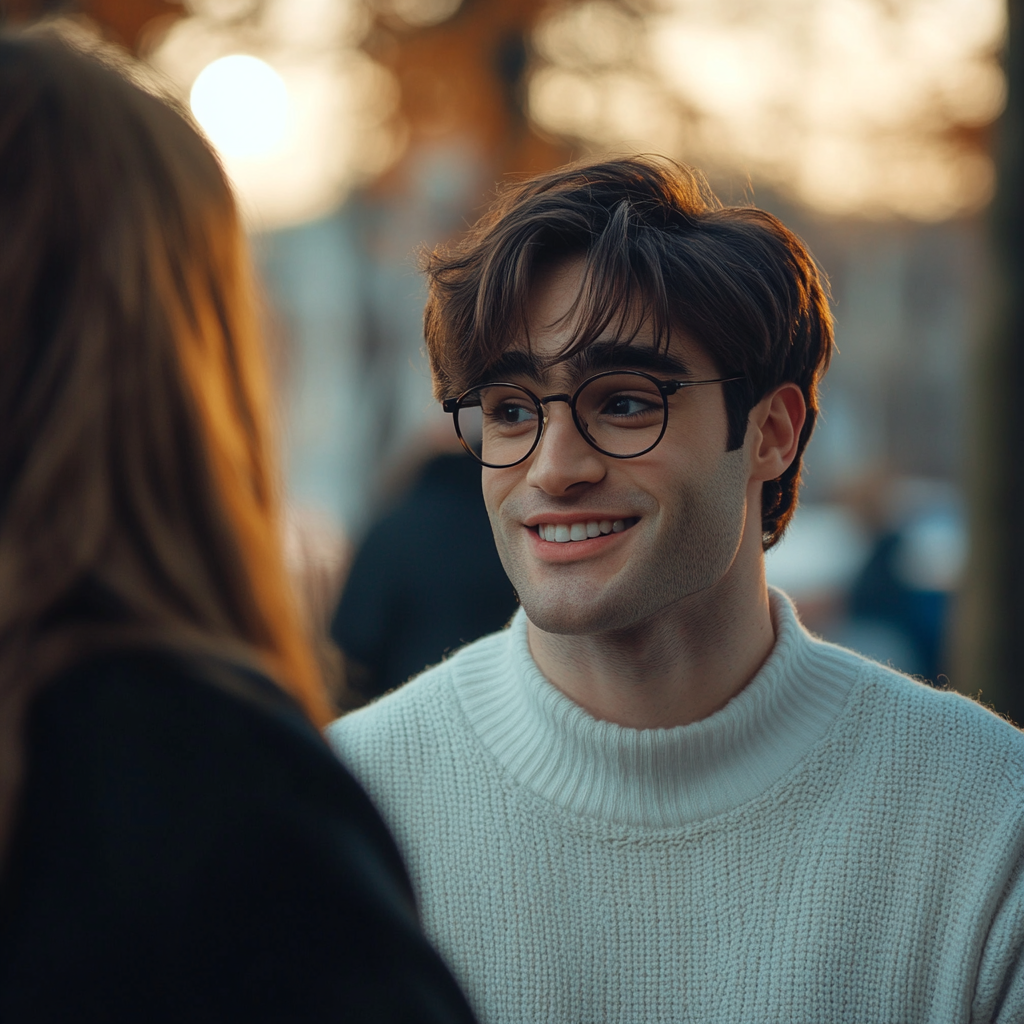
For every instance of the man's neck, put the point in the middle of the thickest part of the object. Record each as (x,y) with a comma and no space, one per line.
(673,669)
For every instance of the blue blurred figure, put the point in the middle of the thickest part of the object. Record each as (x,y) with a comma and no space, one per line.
(904,589)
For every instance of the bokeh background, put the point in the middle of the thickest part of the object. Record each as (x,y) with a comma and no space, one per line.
(885,132)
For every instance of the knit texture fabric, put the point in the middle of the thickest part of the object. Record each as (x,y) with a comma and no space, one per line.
(837,844)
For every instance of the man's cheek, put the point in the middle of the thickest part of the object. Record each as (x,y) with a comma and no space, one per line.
(492,498)
(494,515)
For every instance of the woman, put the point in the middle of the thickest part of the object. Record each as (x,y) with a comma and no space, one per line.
(177,841)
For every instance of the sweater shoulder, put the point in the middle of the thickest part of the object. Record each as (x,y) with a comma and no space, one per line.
(941,734)
(394,712)
(932,708)
(412,720)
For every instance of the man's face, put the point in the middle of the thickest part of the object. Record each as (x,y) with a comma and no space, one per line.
(679,511)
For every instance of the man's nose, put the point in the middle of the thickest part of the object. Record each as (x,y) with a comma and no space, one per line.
(563,459)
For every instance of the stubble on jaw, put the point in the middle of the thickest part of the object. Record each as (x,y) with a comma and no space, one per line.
(697,540)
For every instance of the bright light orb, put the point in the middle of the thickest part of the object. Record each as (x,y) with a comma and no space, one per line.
(242,104)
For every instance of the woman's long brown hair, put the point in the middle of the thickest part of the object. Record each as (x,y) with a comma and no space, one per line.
(138,503)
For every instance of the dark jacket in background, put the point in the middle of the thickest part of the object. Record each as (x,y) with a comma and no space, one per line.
(425,581)
(187,848)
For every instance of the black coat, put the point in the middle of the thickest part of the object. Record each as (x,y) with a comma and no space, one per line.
(187,848)
(426,580)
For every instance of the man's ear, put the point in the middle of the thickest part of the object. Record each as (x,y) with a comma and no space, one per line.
(775,424)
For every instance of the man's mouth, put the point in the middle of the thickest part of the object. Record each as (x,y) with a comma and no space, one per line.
(563,533)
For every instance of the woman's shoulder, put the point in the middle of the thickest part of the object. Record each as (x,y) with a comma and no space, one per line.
(199,743)
(185,834)
(133,684)
(206,740)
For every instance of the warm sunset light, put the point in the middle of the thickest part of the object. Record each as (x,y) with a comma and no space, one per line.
(850,106)
(300,127)
(242,103)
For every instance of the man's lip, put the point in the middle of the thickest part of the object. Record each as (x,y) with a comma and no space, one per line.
(568,518)
(560,551)
(596,530)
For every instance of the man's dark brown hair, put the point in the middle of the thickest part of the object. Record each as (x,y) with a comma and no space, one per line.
(659,249)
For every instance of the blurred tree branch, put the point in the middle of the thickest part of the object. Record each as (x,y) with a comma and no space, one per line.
(464,79)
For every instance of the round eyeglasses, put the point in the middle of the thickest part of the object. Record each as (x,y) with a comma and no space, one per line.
(621,413)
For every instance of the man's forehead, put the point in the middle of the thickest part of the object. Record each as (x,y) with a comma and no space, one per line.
(521,362)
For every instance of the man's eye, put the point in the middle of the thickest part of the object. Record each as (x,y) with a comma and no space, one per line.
(627,405)
(514,412)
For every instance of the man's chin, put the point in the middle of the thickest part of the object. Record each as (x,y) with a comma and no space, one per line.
(571,599)
(568,614)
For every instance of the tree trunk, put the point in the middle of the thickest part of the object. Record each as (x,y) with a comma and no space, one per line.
(991,641)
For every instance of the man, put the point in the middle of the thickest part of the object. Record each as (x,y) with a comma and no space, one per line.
(655,797)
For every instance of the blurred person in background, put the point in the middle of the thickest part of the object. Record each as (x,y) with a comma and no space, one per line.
(900,602)
(425,580)
(656,796)
(178,841)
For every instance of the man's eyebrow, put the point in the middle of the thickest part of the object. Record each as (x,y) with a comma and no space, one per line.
(516,363)
(607,355)
(601,355)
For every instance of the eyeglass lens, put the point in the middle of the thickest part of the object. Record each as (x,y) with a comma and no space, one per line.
(621,414)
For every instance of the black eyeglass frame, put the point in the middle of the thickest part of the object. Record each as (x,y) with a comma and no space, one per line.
(666,387)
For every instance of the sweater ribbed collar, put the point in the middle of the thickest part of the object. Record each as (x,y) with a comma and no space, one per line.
(658,778)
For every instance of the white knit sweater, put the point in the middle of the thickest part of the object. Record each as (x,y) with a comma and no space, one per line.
(837,844)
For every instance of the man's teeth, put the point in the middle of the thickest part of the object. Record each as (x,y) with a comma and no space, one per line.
(562,532)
